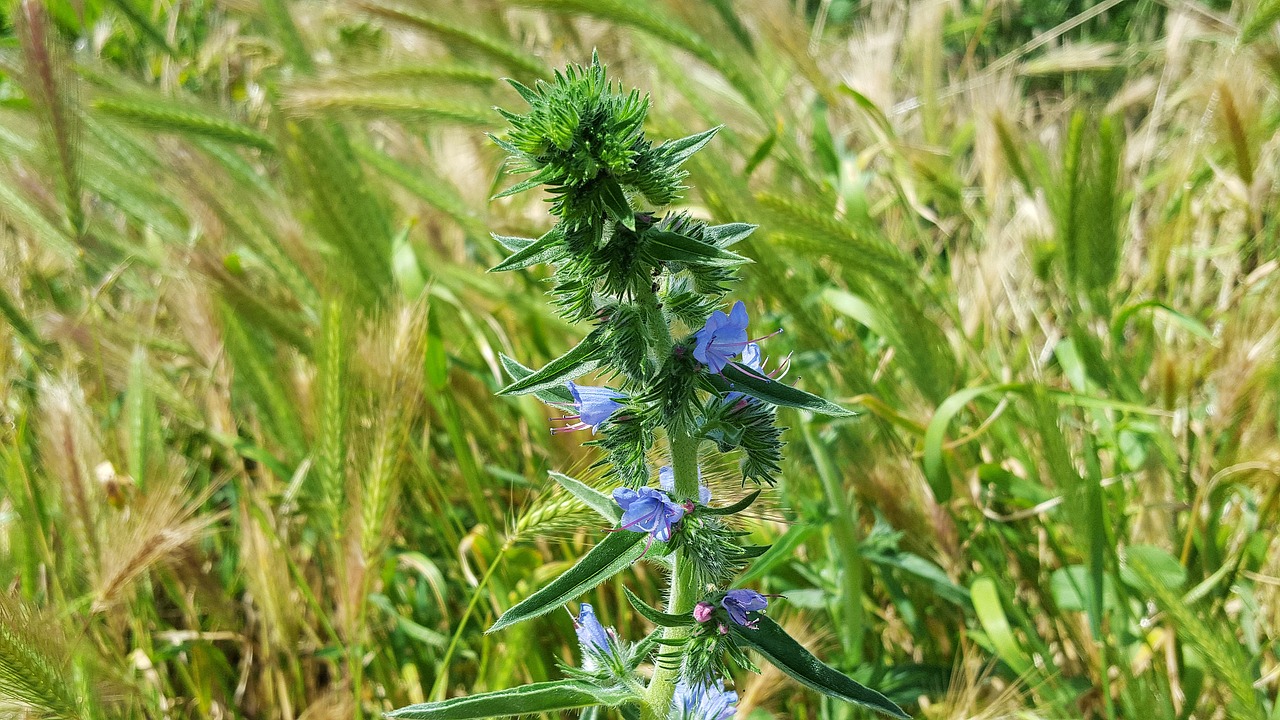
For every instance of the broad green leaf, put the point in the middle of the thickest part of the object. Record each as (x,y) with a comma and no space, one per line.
(615,203)
(543,697)
(657,617)
(789,656)
(735,379)
(733,509)
(925,570)
(582,359)
(1157,564)
(990,612)
(554,395)
(617,552)
(722,236)
(592,498)
(674,247)
(677,151)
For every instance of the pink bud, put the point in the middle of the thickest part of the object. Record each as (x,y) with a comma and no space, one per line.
(702,612)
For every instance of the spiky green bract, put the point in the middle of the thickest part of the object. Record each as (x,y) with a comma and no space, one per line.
(584,139)
(706,652)
(712,547)
(751,426)
(626,444)
(673,394)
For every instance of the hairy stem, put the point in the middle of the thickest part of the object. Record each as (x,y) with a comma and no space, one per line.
(684,587)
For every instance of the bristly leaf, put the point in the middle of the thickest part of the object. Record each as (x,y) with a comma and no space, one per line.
(582,359)
(675,152)
(736,379)
(657,617)
(615,202)
(592,498)
(733,509)
(557,395)
(674,247)
(533,252)
(789,656)
(544,697)
(617,552)
(723,236)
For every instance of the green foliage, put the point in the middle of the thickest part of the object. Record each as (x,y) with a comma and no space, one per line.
(615,553)
(190,193)
(525,700)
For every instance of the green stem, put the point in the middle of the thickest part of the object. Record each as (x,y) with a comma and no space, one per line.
(684,590)
(684,586)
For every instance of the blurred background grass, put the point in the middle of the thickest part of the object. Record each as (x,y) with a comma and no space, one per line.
(253,466)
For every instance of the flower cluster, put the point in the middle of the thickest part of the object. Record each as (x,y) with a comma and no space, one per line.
(684,376)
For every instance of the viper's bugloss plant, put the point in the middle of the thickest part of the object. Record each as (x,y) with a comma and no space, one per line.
(684,374)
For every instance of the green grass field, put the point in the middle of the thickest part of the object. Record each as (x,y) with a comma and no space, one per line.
(253,465)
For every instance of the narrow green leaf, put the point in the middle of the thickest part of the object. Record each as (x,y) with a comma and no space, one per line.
(528,184)
(735,379)
(542,250)
(783,550)
(723,236)
(615,202)
(617,552)
(583,358)
(735,508)
(934,470)
(657,617)
(554,395)
(990,612)
(789,656)
(513,243)
(674,247)
(532,699)
(592,498)
(677,151)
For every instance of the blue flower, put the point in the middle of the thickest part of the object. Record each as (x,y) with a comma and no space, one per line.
(702,701)
(722,338)
(740,602)
(592,638)
(648,510)
(667,479)
(595,405)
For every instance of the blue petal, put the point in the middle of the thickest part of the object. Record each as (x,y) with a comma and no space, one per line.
(624,497)
(738,316)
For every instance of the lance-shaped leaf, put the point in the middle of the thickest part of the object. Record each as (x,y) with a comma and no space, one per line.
(543,697)
(655,616)
(674,247)
(528,252)
(557,395)
(677,151)
(582,359)
(540,177)
(615,203)
(722,236)
(789,656)
(736,379)
(617,552)
(737,507)
(592,498)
